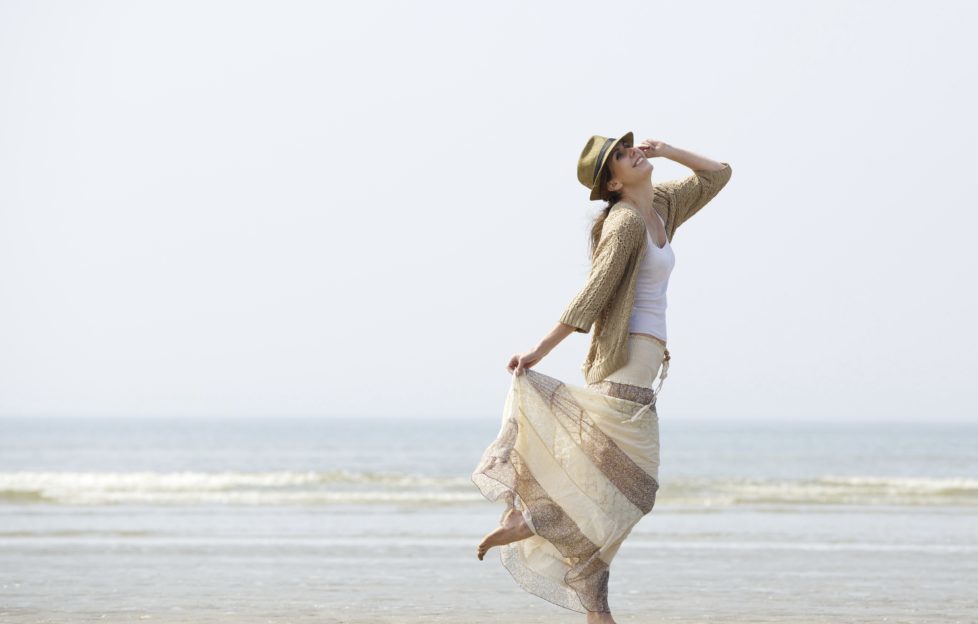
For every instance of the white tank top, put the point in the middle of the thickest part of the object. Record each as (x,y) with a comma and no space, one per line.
(649,309)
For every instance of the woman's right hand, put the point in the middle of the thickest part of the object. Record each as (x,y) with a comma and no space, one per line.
(521,361)
(653,149)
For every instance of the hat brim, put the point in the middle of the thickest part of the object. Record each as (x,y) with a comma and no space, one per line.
(595,190)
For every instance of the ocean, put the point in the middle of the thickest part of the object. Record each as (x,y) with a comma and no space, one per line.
(376,520)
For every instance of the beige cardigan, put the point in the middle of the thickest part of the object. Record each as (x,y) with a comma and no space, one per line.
(607,297)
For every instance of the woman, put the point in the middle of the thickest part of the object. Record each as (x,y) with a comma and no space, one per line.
(578,466)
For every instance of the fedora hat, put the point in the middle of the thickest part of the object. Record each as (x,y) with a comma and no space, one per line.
(593,158)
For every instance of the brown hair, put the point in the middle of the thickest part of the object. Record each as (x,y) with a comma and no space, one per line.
(612,197)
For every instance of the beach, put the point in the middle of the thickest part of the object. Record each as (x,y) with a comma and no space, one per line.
(376,520)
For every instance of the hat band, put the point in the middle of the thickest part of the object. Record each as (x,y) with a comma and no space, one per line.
(597,163)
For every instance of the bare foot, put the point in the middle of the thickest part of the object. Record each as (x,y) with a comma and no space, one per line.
(597,617)
(513,528)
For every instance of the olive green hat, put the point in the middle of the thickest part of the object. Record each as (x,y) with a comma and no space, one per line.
(593,158)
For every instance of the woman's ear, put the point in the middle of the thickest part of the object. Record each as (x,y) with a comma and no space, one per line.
(614,185)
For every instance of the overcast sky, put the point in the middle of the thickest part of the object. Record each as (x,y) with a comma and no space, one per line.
(365,208)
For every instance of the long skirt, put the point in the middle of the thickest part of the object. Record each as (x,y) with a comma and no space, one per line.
(581,464)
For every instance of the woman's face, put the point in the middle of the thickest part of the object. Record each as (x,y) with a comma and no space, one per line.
(627,166)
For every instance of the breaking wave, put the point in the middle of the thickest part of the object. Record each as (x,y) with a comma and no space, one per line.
(339,487)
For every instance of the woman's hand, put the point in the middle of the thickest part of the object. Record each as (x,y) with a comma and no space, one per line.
(520,362)
(652,148)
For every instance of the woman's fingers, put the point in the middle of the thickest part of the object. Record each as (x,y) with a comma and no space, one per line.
(519,363)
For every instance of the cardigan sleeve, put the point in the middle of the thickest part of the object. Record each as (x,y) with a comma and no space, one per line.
(615,248)
(688,195)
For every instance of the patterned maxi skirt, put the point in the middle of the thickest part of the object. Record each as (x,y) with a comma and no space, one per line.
(581,464)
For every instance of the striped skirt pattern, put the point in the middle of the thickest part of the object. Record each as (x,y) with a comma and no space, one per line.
(581,464)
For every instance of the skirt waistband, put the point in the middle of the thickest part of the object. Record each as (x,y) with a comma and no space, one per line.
(647,337)
(639,393)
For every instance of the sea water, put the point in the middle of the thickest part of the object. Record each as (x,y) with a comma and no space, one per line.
(377,520)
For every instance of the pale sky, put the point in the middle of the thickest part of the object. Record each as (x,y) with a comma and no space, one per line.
(365,208)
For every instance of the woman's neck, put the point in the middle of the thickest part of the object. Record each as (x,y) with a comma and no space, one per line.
(640,196)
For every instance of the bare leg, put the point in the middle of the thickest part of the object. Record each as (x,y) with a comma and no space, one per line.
(513,528)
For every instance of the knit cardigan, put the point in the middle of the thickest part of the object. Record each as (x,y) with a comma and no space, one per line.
(609,292)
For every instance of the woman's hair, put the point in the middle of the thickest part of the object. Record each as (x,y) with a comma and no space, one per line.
(612,197)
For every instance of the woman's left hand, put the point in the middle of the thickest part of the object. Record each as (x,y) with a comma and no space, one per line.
(652,148)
